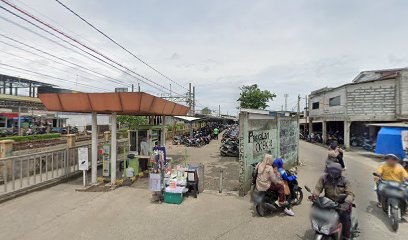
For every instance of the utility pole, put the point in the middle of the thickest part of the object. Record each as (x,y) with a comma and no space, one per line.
(298,124)
(306,116)
(286,101)
(133,87)
(138,87)
(194,98)
(219,110)
(190,103)
(170,92)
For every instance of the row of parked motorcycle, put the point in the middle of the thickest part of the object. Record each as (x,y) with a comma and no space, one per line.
(362,141)
(200,138)
(230,142)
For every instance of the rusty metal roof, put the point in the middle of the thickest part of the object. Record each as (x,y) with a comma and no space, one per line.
(123,103)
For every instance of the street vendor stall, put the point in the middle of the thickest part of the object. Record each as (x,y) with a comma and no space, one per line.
(122,103)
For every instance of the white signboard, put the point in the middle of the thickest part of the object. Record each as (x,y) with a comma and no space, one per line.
(404,136)
(83,159)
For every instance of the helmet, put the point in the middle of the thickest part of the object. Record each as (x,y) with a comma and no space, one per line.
(392,156)
(334,145)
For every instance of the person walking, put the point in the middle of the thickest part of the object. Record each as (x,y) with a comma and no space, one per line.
(216,132)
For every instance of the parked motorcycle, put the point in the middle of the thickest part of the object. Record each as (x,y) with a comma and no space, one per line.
(265,203)
(393,199)
(325,219)
(229,150)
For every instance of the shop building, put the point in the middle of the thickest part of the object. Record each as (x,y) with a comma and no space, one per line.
(372,97)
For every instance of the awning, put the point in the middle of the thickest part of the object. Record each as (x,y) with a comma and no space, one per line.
(123,103)
(187,119)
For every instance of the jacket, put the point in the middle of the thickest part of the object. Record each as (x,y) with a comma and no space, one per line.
(279,163)
(333,192)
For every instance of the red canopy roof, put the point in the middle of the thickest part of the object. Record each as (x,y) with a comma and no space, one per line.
(123,103)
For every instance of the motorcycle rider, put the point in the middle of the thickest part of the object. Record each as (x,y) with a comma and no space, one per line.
(334,184)
(279,163)
(335,154)
(390,171)
(267,180)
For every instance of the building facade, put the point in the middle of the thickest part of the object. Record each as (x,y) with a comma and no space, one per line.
(372,97)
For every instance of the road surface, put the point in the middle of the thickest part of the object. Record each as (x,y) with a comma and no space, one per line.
(126,213)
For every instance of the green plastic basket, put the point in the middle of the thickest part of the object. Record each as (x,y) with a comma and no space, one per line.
(173,198)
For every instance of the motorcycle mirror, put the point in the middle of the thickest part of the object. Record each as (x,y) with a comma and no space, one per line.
(376,174)
(342,197)
(308,189)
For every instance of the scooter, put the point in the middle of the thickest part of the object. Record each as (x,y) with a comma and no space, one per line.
(296,193)
(265,203)
(393,199)
(325,219)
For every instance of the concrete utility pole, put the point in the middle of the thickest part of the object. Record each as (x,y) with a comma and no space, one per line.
(190,102)
(194,104)
(133,88)
(306,116)
(298,122)
(219,110)
(286,101)
(138,87)
(170,92)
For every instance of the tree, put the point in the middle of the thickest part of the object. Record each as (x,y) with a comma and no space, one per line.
(131,122)
(252,97)
(206,111)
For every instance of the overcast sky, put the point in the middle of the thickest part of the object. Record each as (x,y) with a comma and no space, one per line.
(291,47)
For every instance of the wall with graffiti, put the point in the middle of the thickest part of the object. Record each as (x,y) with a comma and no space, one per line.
(264,132)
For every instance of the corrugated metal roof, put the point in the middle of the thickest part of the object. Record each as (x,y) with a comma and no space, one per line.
(123,103)
(394,124)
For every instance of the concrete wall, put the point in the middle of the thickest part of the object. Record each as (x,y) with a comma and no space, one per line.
(335,112)
(371,101)
(402,95)
(264,132)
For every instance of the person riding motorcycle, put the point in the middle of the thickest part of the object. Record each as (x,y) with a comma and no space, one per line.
(390,171)
(279,163)
(267,180)
(334,184)
(335,154)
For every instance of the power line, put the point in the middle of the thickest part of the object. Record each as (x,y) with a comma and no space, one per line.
(50,76)
(102,60)
(117,44)
(54,56)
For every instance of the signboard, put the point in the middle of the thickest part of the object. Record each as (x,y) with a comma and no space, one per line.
(263,141)
(404,136)
(105,160)
(83,163)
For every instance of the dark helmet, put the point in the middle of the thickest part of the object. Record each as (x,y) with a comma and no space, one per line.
(334,145)
(334,170)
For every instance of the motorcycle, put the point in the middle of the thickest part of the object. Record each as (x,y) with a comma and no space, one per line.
(325,219)
(393,199)
(229,150)
(296,193)
(265,202)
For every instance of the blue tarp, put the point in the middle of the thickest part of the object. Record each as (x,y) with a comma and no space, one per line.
(389,141)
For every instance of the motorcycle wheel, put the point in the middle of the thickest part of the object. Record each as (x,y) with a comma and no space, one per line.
(261,210)
(394,219)
(299,197)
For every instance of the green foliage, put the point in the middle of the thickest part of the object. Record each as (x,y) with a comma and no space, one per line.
(131,122)
(254,98)
(206,111)
(32,137)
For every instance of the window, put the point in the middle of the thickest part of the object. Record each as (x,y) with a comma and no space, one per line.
(334,101)
(315,105)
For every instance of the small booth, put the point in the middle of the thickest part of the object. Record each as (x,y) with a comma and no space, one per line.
(116,103)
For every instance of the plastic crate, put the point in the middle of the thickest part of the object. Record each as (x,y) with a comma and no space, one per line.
(173,198)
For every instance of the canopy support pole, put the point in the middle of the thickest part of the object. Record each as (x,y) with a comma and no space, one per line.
(94,151)
(113,150)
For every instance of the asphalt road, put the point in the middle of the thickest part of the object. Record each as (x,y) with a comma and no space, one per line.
(126,213)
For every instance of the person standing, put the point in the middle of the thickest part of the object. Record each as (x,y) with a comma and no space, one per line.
(216,132)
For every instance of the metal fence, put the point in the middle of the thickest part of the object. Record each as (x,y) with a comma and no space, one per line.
(18,172)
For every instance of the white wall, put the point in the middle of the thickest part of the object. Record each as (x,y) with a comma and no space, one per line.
(83,119)
(324,109)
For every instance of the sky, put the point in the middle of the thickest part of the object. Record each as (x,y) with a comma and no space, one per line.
(287,47)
